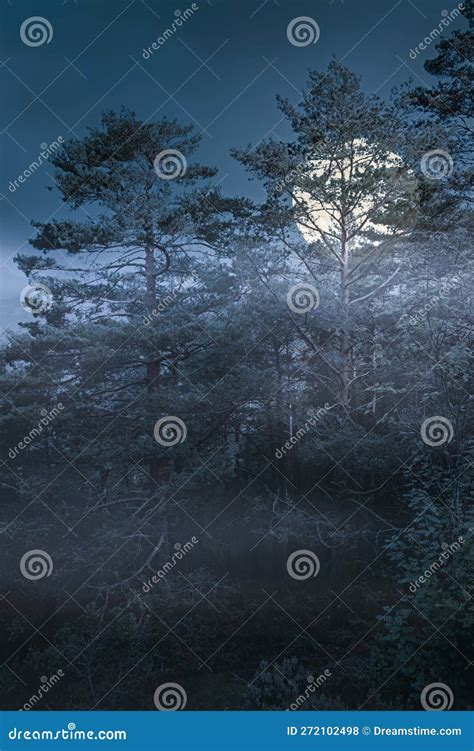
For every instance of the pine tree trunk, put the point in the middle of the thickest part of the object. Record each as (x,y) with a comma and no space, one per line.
(345,342)
(159,468)
(152,367)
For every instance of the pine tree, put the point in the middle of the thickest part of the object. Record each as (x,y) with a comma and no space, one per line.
(347,182)
(149,220)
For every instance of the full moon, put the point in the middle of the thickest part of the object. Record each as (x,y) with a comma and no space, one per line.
(323,215)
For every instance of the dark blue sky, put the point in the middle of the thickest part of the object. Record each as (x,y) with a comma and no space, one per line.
(220,70)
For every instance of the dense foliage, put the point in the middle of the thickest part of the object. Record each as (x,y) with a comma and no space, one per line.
(302,342)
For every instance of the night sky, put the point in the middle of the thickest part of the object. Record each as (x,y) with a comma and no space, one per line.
(221,70)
